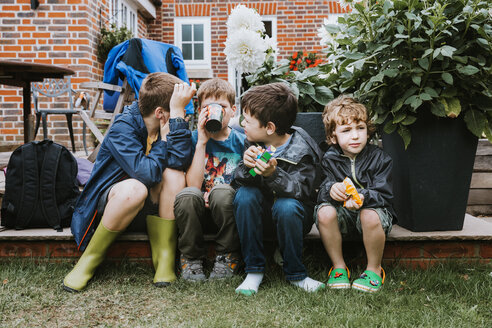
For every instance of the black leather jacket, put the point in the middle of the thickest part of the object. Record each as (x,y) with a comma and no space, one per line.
(370,171)
(296,173)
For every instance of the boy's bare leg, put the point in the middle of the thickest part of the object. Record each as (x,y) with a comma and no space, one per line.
(331,236)
(374,238)
(173,181)
(125,200)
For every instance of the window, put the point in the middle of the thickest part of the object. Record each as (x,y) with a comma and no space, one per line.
(192,36)
(123,13)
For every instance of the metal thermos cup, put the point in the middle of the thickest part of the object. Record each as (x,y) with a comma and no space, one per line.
(214,118)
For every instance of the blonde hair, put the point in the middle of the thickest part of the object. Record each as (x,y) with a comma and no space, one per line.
(344,110)
(216,88)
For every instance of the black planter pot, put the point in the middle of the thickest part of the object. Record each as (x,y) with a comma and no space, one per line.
(431,179)
(313,124)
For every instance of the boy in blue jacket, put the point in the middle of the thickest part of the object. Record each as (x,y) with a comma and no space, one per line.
(338,215)
(138,170)
(281,189)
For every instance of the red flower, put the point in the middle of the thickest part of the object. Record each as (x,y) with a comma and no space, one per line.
(294,55)
(292,62)
(197,81)
(291,66)
(295,68)
(299,61)
(308,61)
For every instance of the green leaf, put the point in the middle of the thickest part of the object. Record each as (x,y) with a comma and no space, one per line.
(468,70)
(461,59)
(295,89)
(425,96)
(416,79)
(397,105)
(354,55)
(391,72)
(405,135)
(332,28)
(448,78)
(418,40)
(305,88)
(453,109)
(449,92)
(424,63)
(380,118)
(400,116)
(431,92)
(409,120)
(427,52)
(389,127)
(436,52)
(414,101)
(323,95)
(401,36)
(438,109)
(475,121)
(448,51)
(397,42)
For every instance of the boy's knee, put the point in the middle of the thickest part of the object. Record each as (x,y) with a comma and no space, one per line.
(327,215)
(189,192)
(369,219)
(173,179)
(223,192)
(287,208)
(247,195)
(132,192)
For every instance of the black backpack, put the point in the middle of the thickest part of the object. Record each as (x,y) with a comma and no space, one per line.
(40,187)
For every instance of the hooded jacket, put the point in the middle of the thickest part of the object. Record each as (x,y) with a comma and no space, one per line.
(370,171)
(122,156)
(296,173)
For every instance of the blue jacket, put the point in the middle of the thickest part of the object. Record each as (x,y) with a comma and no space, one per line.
(122,155)
(136,58)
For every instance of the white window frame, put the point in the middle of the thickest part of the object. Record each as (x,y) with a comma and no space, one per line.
(124,13)
(205,21)
(232,73)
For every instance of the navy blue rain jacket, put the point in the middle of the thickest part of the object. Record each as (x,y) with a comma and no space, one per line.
(136,58)
(122,155)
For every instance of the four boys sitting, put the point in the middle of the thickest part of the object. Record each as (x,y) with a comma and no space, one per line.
(230,190)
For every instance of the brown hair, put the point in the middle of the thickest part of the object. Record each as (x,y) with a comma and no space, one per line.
(273,102)
(343,110)
(156,91)
(216,88)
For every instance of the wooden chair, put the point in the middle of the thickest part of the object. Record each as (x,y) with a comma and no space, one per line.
(93,110)
(54,88)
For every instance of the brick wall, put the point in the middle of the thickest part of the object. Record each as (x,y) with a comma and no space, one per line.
(59,32)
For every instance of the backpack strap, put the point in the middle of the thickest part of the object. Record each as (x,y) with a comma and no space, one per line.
(47,187)
(30,188)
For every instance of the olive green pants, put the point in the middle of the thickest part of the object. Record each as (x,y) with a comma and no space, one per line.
(194,220)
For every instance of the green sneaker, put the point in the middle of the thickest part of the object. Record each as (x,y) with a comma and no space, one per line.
(369,281)
(339,278)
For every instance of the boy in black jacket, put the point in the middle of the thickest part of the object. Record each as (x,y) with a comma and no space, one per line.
(347,129)
(280,188)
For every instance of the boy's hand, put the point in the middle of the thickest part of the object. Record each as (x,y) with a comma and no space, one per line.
(205,197)
(337,192)
(266,169)
(250,155)
(352,205)
(203,134)
(182,95)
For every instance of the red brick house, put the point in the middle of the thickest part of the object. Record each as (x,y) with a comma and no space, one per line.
(65,32)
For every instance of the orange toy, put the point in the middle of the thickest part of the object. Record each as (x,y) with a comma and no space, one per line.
(351,191)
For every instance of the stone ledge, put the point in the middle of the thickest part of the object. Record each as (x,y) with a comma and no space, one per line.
(473,229)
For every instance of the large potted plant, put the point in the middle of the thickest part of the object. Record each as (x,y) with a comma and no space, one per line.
(423,68)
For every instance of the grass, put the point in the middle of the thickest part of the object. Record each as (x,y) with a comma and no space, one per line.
(121,295)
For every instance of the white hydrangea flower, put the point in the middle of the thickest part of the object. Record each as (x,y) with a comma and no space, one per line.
(327,38)
(245,50)
(270,44)
(242,17)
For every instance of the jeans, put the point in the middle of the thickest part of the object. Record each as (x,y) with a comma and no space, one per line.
(292,219)
(193,220)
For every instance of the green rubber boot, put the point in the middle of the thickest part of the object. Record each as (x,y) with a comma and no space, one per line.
(93,255)
(162,237)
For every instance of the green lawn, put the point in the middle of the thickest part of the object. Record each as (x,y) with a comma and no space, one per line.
(121,295)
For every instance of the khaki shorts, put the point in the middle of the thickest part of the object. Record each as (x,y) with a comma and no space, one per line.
(349,221)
